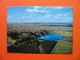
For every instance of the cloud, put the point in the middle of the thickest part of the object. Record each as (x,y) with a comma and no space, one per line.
(47,16)
(37,9)
(69,18)
(65,16)
(41,7)
(9,17)
(60,15)
(25,17)
(69,13)
(58,7)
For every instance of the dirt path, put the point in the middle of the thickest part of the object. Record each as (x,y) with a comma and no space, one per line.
(41,49)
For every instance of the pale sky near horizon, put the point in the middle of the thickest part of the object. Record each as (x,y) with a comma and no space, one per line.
(43,14)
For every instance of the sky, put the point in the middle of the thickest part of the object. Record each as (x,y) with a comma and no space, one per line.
(38,14)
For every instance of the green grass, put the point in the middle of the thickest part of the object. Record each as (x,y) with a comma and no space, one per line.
(63,46)
(47,46)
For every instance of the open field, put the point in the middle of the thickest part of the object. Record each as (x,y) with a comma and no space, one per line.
(63,46)
(23,38)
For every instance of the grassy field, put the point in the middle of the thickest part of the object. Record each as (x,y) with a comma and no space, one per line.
(63,47)
(47,46)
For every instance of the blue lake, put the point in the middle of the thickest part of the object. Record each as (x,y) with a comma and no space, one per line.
(52,36)
(8,43)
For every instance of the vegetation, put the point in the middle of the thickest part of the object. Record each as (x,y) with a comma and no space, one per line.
(47,45)
(23,38)
(25,45)
(63,46)
(24,48)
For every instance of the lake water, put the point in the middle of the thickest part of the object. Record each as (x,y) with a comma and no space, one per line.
(52,36)
(8,43)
